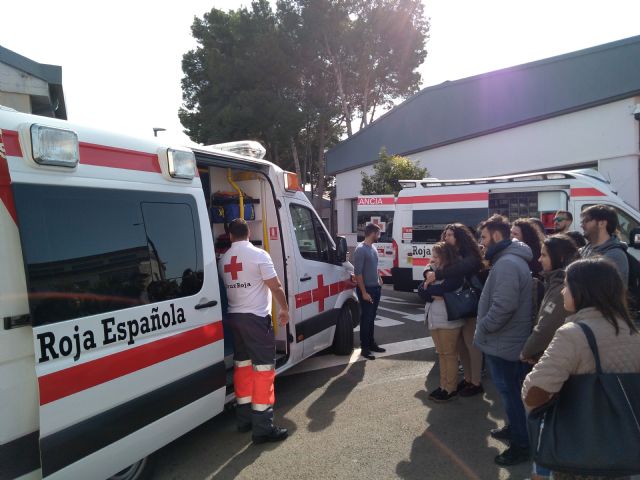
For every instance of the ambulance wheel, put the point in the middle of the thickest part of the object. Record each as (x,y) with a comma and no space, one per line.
(343,337)
(141,470)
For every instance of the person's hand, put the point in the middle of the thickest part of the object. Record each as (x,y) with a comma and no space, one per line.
(380,282)
(283,317)
(367,298)
(530,361)
(431,277)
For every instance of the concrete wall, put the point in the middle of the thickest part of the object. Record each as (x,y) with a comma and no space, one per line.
(17,101)
(606,136)
(16,81)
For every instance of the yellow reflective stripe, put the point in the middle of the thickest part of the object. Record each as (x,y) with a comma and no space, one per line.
(263,368)
(243,400)
(242,363)
(260,407)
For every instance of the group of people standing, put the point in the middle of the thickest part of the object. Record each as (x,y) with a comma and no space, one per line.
(535,290)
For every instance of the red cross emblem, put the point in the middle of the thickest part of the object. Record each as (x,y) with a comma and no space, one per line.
(320,293)
(233,268)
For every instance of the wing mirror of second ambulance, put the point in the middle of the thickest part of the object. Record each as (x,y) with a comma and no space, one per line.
(634,238)
(341,249)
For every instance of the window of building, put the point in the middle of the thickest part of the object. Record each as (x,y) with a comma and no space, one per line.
(89,251)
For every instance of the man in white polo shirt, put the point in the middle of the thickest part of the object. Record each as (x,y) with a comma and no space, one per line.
(250,279)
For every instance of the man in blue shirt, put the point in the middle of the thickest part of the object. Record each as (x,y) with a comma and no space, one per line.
(365,262)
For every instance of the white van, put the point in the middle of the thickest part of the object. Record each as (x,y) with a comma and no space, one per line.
(380,210)
(111,342)
(424,207)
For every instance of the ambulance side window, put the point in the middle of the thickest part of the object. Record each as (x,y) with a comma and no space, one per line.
(91,251)
(311,239)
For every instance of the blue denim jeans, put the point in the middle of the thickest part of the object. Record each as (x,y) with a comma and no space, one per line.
(508,377)
(367,316)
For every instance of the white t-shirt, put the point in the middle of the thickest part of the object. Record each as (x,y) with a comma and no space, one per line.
(244,268)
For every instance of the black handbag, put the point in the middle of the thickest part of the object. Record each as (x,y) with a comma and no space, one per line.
(462,303)
(592,427)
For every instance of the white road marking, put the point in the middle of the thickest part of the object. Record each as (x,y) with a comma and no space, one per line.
(398,301)
(327,361)
(382,322)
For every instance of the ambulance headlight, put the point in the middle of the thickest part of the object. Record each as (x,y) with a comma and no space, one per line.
(54,146)
(182,163)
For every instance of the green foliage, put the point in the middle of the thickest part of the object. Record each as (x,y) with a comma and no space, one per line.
(388,170)
(297,77)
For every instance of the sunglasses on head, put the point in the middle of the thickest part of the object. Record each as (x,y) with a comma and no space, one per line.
(559,219)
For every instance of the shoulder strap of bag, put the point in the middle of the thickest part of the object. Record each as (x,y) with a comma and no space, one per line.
(591,339)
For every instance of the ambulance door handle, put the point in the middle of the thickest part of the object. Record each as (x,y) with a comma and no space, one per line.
(304,279)
(212,303)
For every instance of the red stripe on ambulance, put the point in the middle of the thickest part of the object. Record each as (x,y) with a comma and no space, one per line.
(587,192)
(322,292)
(421,262)
(6,195)
(97,155)
(452,197)
(63,383)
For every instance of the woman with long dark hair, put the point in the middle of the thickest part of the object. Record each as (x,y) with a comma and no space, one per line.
(558,251)
(460,237)
(524,230)
(594,291)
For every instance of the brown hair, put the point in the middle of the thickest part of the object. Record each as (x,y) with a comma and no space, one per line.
(596,282)
(466,243)
(496,223)
(447,253)
(530,235)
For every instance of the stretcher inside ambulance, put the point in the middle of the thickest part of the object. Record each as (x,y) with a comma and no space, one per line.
(111,341)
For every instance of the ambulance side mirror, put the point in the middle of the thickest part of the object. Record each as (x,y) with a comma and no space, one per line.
(341,250)
(634,238)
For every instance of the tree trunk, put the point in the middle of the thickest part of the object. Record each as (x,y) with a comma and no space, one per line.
(322,182)
(296,161)
(338,74)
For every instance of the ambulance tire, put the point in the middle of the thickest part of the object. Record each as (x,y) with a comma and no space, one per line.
(343,337)
(141,470)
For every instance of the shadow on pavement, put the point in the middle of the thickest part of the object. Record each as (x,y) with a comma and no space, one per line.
(322,411)
(446,449)
(196,450)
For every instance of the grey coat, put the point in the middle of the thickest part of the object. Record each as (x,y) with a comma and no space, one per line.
(504,311)
(614,250)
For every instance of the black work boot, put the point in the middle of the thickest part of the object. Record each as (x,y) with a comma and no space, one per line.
(243,417)
(263,428)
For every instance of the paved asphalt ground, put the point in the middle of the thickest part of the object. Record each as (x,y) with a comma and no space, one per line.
(359,420)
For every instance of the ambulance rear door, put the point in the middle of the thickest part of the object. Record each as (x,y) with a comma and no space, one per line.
(318,281)
(124,303)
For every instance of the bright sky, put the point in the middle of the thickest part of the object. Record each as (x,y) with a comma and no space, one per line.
(121,60)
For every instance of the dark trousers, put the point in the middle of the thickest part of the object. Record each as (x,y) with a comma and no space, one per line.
(367,316)
(508,377)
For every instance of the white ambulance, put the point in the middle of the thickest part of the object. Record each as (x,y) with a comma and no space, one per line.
(378,209)
(424,207)
(111,341)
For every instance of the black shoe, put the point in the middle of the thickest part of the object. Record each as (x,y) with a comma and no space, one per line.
(503,433)
(442,396)
(462,385)
(244,428)
(378,349)
(512,456)
(367,354)
(470,390)
(277,434)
